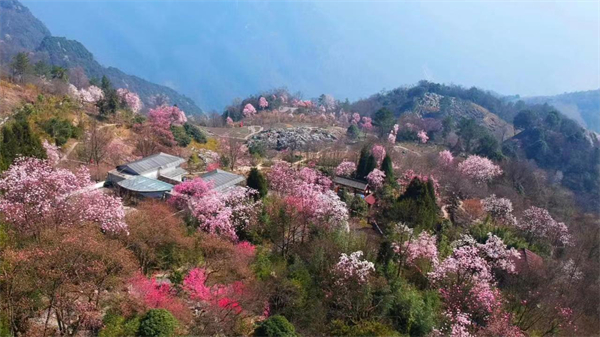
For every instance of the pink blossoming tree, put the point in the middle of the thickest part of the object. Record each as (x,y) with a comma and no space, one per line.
(422,135)
(345,169)
(376,178)
(249,110)
(480,169)
(378,152)
(445,158)
(538,222)
(34,195)
(262,103)
(351,268)
(131,99)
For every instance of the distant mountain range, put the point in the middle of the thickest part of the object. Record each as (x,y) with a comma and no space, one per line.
(582,106)
(20,31)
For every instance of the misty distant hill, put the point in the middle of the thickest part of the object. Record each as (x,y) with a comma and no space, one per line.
(582,106)
(21,31)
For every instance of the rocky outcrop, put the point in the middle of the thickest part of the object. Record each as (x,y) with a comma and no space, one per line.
(295,138)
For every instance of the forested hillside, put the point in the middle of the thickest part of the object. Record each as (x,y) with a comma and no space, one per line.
(20,31)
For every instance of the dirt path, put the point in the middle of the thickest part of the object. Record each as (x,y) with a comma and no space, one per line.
(253,130)
(406,149)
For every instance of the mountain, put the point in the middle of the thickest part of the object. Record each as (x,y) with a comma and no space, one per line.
(21,31)
(582,106)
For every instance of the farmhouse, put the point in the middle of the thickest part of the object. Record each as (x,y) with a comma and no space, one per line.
(151,177)
(222,180)
(352,185)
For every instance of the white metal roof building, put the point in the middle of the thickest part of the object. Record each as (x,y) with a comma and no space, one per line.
(222,180)
(152,176)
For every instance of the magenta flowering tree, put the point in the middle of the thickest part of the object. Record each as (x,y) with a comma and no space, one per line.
(34,195)
(480,169)
(418,249)
(376,178)
(352,268)
(393,134)
(355,118)
(345,169)
(249,110)
(422,135)
(445,158)
(378,152)
(366,123)
(161,118)
(262,103)
(500,209)
(229,122)
(182,193)
(537,222)
(131,99)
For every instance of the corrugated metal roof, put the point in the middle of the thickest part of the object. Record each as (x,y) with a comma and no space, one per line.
(350,182)
(151,163)
(144,184)
(171,173)
(222,180)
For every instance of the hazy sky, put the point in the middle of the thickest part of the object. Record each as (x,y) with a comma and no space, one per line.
(216,51)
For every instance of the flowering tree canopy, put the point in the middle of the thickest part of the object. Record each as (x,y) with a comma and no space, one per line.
(366,123)
(249,109)
(376,178)
(262,103)
(378,152)
(52,152)
(345,168)
(480,169)
(500,209)
(422,135)
(352,268)
(538,222)
(131,99)
(36,195)
(445,158)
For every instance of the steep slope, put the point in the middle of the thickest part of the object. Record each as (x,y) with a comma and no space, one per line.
(19,29)
(69,54)
(582,106)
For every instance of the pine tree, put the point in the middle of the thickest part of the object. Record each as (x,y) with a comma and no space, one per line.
(20,65)
(387,168)
(257,181)
(19,140)
(110,103)
(362,163)
(371,165)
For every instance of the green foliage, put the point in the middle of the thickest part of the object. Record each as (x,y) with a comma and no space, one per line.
(195,132)
(388,169)
(257,181)
(468,131)
(20,64)
(181,137)
(116,326)
(363,328)
(4,326)
(384,119)
(361,169)
(358,206)
(489,147)
(257,149)
(59,73)
(60,130)
(353,132)
(157,323)
(109,104)
(525,119)
(416,206)
(42,68)
(19,139)
(414,312)
(371,165)
(275,326)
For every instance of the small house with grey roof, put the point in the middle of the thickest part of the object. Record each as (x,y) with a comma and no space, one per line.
(221,180)
(152,176)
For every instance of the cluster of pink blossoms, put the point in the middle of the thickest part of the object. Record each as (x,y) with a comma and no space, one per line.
(376,178)
(35,195)
(218,295)
(500,209)
(345,169)
(262,103)
(353,268)
(422,247)
(422,135)
(539,222)
(249,110)
(90,95)
(131,99)
(445,158)
(217,213)
(308,192)
(480,169)
(378,152)
(355,119)
(366,123)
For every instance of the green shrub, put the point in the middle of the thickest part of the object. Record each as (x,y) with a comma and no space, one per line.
(275,326)
(117,325)
(363,328)
(181,137)
(157,323)
(195,133)
(413,312)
